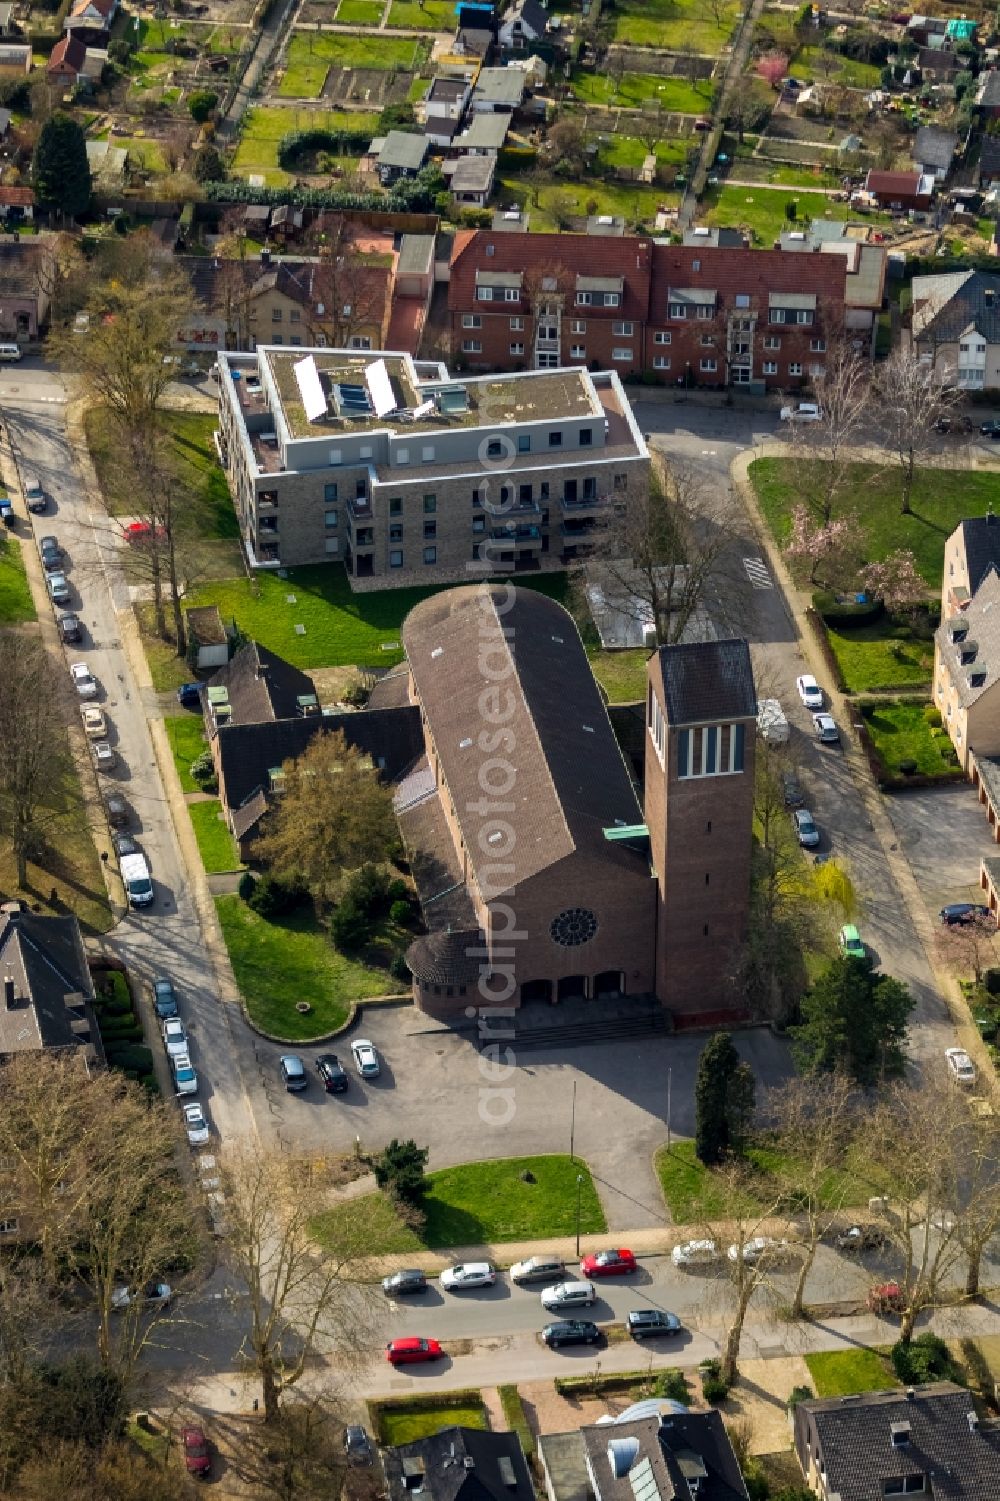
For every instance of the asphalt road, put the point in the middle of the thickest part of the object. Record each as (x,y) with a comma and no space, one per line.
(164,939)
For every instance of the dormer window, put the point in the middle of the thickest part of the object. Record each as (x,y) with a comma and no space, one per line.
(969,653)
(959,633)
(977,679)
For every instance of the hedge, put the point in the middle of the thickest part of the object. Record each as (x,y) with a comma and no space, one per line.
(826,650)
(297,142)
(427,1402)
(883,777)
(838,612)
(412,197)
(516,1418)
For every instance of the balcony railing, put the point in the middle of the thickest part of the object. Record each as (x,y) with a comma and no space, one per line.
(582,503)
(514,533)
(360,508)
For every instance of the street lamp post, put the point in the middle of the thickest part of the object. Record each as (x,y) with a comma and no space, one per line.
(668,1109)
(579,1186)
(572,1125)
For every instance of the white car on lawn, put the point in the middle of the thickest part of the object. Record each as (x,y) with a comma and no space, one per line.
(810,692)
(365,1058)
(83,680)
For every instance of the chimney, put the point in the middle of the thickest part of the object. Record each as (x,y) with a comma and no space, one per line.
(973,1422)
(9,993)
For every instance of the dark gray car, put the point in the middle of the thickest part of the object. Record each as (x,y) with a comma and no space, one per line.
(411,1280)
(644,1323)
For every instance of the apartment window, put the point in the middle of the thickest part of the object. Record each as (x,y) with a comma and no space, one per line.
(525,495)
(622,330)
(661,362)
(777,315)
(276,339)
(677,310)
(555,439)
(706,310)
(8,1227)
(543,490)
(771,342)
(430,504)
(396,506)
(714,751)
(621,482)
(818,346)
(611,299)
(621,355)
(816,372)
(484,294)
(330,491)
(295,339)
(495,448)
(471,320)
(586,437)
(707,340)
(396,557)
(427,453)
(331,545)
(803,316)
(329,518)
(578,326)
(708,365)
(511,294)
(743,299)
(590,488)
(430,554)
(578,352)
(479,523)
(662,338)
(583,299)
(696,265)
(294,316)
(276,315)
(795,368)
(770,367)
(430,530)
(546,361)
(403,455)
(524,442)
(656,724)
(396,531)
(472,346)
(477,499)
(517,349)
(337,453)
(516,325)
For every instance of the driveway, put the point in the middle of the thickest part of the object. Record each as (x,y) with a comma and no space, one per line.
(944,833)
(437,1087)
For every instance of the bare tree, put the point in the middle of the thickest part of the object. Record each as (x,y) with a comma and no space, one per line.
(34,754)
(566,141)
(977,1178)
(347,291)
(843,392)
(748,1262)
(968,946)
(298,1300)
(666,555)
(299,1456)
(912,396)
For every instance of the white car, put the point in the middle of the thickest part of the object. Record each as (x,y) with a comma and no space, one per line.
(195,1125)
(94,723)
(185,1078)
(960,1065)
(366,1058)
(806,411)
(175,1039)
(810,692)
(826,728)
(695,1253)
(103,754)
(757,1247)
(156,1293)
(84,680)
(469,1274)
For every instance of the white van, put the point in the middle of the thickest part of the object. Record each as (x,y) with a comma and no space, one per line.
(137,880)
(772,725)
(9,352)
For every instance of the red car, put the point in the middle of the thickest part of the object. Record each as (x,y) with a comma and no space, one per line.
(196,1455)
(412,1349)
(607,1263)
(139,532)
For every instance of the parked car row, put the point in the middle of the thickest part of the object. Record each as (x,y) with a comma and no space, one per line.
(333,1075)
(177,1044)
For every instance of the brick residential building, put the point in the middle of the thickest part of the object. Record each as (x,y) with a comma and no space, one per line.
(692,315)
(456,477)
(540,880)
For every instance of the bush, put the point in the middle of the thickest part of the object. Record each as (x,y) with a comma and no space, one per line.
(401,912)
(799,1394)
(368,890)
(203,771)
(924,1359)
(272,897)
(673,1384)
(399,969)
(400,1169)
(713,1387)
(755,1479)
(15,94)
(356,694)
(350,929)
(119,52)
(298,143)
(247,886)
(991,979)
(201,104)
(135,1060)
(932,716)
(398,891)
(840,611)
(209,165)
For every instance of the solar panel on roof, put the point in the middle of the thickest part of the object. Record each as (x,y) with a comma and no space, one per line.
(380,388)
(310,389)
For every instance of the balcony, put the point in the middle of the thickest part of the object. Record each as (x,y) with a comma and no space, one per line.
(547,345)
(361,508)
(517,534)
(267,525)
(364,537)
(578,504)
(267,502)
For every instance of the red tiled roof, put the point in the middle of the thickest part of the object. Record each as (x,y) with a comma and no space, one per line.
(906,183)
(577,255)
(68,52)
(103,7)
(731,271)
(23,197)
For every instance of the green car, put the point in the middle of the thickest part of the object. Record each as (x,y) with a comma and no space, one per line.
(851,945)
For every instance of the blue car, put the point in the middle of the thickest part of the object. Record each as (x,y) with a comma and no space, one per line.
(189,695)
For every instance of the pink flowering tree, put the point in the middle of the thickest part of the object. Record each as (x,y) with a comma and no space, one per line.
(772,67)
(895,581)
(819,544)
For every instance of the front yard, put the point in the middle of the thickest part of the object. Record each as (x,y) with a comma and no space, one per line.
(873,657)
(762,211)
(696,1194)
(215,843)
(186,733)
(264,126)
(632,90)
(16,603)
(406,1422)
(841,1373)
(311,54)
(673,24)
(279,963)
(903,738)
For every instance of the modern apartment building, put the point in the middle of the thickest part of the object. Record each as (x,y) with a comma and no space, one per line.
(406,474)
(690,315)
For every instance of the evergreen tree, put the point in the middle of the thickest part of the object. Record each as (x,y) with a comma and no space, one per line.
(716,1070)
(60,169)
(853,1020)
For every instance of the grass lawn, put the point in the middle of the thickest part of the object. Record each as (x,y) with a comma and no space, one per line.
(359,12)
(263,128)
(148,154)
(167,670)
(696,1195)
(215,843)
(762,210)
(870,659)
(812,63)
(423,15)
(310,54)
(16,603)
(840,1373)
(687,96)
(901,733)
(342,629)
(67,864)
(941,498)
(673,24)
(637,203)
(622,674)
(630,151)
(186,733)
(279,963)
(406,1424)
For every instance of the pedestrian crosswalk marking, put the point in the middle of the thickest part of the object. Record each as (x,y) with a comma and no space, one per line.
(757,573)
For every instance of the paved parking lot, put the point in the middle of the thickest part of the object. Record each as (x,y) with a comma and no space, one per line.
(437,1087)
(944,833)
